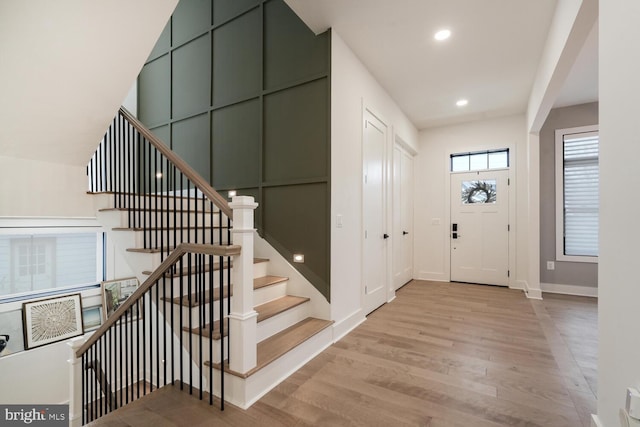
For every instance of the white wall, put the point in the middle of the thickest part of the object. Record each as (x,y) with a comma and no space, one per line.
(41,375)
(618,279)
(431,240)
(351,86)
(36,188)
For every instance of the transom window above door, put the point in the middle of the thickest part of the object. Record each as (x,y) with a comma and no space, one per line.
(480,160)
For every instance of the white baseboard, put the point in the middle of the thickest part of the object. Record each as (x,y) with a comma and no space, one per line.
(529,291)
(433,276)
(583,291)
(348,324)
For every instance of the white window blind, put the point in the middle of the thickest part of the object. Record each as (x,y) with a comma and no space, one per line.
(45,261)
(580,176)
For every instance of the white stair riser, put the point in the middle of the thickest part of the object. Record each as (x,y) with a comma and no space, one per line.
(260,295)
(158,239)
(193,313)
(195,347)
(151,202)
(269,293)
(260,269)
(150,219)
(275,324)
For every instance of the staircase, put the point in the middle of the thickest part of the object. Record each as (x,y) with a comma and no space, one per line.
(216,317)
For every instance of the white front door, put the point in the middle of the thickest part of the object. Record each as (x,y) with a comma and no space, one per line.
(402,217)
(479,228)
(374,270)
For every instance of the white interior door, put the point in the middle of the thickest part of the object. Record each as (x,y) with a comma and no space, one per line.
(480,227)
(402,217)
(374,270)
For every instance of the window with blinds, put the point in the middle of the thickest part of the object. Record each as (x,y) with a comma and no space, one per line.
(38,262)
(577,197)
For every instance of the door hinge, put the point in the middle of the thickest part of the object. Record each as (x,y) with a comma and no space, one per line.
(365,178)
(365,234)
(366,290)
(508,181)
(508,227)
(508,273)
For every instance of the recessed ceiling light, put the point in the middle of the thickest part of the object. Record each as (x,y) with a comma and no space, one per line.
(442,35)
(462,102)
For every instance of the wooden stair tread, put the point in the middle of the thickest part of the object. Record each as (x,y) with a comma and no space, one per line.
(151,209)
(262,282)
(206,332)
(265,311)
(206,268)
(195,302)
(279,344)
(199,227)
(258,283)
(166,249)
(169,196)
(277,306)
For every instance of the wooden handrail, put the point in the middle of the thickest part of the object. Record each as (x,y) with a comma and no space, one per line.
(182,166)
(173,258)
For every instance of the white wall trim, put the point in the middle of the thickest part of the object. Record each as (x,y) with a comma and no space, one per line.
(595,421)
(530,292)
(348,324)
(433,276)
(556,288)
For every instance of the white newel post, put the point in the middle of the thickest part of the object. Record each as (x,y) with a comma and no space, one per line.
(75,382)
(243,318)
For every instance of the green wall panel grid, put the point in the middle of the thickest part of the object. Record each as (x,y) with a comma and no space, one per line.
(236,145)
(292,51)
(238,76)
(224,10)
(154,92)
(191,18)
(190,140)
(163,44)
(295,133)
(240,90)
(301,227)
(191,77)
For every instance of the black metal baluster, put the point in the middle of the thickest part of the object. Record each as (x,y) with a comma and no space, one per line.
(211,324)
(145,317)
(164,336)
(157,352)
(190,321)
(181,312)
(222,346)
(138,322)
(144,189)
(150,341)
(201,319)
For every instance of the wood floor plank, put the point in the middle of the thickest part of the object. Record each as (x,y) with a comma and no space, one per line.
(439,355)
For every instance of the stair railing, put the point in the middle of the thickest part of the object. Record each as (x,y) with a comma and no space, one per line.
(177,212)
(141,347)
(166,199)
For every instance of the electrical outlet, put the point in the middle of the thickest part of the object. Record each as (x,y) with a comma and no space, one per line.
(551,265)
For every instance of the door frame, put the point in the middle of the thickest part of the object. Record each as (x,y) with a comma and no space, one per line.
(513,282)
(405,148)
(386,191)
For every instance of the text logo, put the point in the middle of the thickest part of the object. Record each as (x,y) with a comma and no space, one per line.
(34,415)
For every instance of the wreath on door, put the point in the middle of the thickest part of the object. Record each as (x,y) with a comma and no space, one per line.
(479,192)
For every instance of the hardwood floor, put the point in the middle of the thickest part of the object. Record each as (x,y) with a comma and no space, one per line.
(440,354)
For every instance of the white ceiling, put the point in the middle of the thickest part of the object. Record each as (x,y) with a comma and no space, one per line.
(65,67)
(491,58)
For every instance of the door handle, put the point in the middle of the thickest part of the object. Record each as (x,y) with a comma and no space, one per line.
(385,236)
(404,233)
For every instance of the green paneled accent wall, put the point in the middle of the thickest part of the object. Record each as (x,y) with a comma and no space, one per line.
(240,89)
